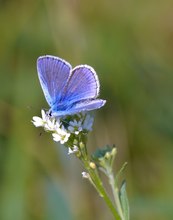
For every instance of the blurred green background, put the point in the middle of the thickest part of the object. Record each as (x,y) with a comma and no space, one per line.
(130,45)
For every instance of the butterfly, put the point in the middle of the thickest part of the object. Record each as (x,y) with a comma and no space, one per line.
(68,90)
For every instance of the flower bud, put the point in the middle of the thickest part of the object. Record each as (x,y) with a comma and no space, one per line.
(92,165)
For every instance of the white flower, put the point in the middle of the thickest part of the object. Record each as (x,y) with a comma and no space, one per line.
(59,132)
(88,122)
(50,124)
(44,115)
(40,122)
(74,150)
(75,126)
(53,124)
(61,135)
(85,175)
(57,124)
(37,121)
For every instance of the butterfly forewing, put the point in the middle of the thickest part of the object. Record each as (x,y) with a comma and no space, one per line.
(53,74)
(83,84)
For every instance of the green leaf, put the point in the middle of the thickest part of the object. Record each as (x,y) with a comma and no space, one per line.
(124,201)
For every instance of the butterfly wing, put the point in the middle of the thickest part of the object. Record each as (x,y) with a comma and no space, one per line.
(53,73)
(83,84)
(85,105)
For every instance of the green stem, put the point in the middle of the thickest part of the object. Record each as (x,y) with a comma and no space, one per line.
(99,187)
(115,192)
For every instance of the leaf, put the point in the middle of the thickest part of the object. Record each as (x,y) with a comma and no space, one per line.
(124,201)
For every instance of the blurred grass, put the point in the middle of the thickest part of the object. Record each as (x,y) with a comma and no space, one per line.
(130,44)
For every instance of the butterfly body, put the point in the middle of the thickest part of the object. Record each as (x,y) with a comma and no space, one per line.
(68,91)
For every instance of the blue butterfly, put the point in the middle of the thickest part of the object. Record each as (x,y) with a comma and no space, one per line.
(68,91)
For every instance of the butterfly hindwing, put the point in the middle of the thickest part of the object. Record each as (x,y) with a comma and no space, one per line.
(86,105)
(83,84)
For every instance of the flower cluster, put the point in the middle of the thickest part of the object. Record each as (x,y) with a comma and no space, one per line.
(65,129)
(104,158)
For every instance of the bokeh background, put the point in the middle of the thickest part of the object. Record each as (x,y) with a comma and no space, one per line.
(130,45)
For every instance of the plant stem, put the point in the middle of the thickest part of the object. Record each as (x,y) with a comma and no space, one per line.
(99,187)
(115,192)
